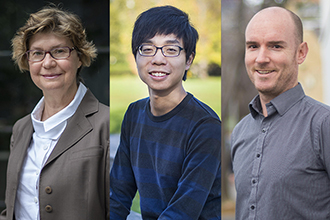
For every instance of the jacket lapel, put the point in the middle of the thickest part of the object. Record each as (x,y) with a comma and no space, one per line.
(77,127)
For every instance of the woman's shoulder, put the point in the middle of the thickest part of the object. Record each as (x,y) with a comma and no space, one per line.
(103,108)
(23,126)
(25,121)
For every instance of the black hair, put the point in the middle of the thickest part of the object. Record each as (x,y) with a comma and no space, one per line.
(165,20)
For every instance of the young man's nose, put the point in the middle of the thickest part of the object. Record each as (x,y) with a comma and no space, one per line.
(159,58)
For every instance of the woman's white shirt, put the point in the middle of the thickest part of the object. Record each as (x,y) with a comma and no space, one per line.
(45,136)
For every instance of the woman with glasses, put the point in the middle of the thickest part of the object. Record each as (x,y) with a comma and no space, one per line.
(58,165)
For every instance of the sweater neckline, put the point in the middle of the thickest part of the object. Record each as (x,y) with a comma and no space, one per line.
(170,114)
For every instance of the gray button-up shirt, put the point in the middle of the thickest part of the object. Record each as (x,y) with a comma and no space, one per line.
(282,162)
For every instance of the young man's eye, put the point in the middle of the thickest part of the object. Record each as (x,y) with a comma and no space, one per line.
(172,49)
(147,49)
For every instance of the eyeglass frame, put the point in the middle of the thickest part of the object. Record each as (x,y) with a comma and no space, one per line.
(49,51)
(161,49)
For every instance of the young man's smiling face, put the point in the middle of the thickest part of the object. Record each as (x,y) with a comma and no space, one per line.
(163,75)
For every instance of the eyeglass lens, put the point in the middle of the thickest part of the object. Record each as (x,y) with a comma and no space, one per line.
(167,50)
(56,53)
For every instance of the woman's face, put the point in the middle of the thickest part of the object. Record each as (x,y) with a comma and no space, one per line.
(52,75)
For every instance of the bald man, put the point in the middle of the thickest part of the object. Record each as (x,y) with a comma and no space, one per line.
(281,150)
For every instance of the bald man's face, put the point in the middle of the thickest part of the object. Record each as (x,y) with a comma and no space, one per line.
(272,52)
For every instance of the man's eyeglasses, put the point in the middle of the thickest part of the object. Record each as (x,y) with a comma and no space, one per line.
(57,53)
(167,50)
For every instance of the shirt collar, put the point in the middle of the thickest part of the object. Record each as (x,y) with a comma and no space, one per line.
(281,103)
(55,125)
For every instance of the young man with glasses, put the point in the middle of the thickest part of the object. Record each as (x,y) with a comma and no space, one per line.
(170,142)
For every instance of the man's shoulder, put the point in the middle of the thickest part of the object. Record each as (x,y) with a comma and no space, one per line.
(316,105)
(139,103)
(136,105)
(316,110)
(202,108)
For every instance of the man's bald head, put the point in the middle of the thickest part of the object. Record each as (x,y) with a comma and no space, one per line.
(278,12)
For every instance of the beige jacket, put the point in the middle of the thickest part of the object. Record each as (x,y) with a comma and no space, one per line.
(74,183)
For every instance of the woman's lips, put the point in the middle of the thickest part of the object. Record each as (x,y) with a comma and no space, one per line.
(51,76)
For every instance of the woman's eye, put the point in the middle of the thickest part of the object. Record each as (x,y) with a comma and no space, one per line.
(58,51)
(37,53)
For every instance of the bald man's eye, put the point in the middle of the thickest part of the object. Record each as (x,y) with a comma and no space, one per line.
(277,46)
(252,46)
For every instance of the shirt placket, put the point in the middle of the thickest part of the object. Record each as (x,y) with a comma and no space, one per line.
(42,148)
(258,154)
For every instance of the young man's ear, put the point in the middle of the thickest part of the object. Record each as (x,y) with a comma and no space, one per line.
(190,60)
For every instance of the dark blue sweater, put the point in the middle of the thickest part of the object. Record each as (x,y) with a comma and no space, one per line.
(172,160)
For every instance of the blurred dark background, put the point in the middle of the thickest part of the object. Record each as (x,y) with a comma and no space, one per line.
(18,94)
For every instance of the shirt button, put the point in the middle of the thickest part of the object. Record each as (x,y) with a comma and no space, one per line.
(35,200)
(252,207)
(258,155)
(45,147)
(48,190)
(264,130)
(49,208)
(37,173)
(254,181)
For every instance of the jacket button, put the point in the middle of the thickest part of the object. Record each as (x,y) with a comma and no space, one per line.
(49,208)
(48,190)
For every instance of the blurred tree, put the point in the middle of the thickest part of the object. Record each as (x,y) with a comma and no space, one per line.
(116,46)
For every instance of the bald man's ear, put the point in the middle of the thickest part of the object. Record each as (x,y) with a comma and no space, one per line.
(302,52)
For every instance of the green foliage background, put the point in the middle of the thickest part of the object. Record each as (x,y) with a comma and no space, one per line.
(125,85)
(205,15)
